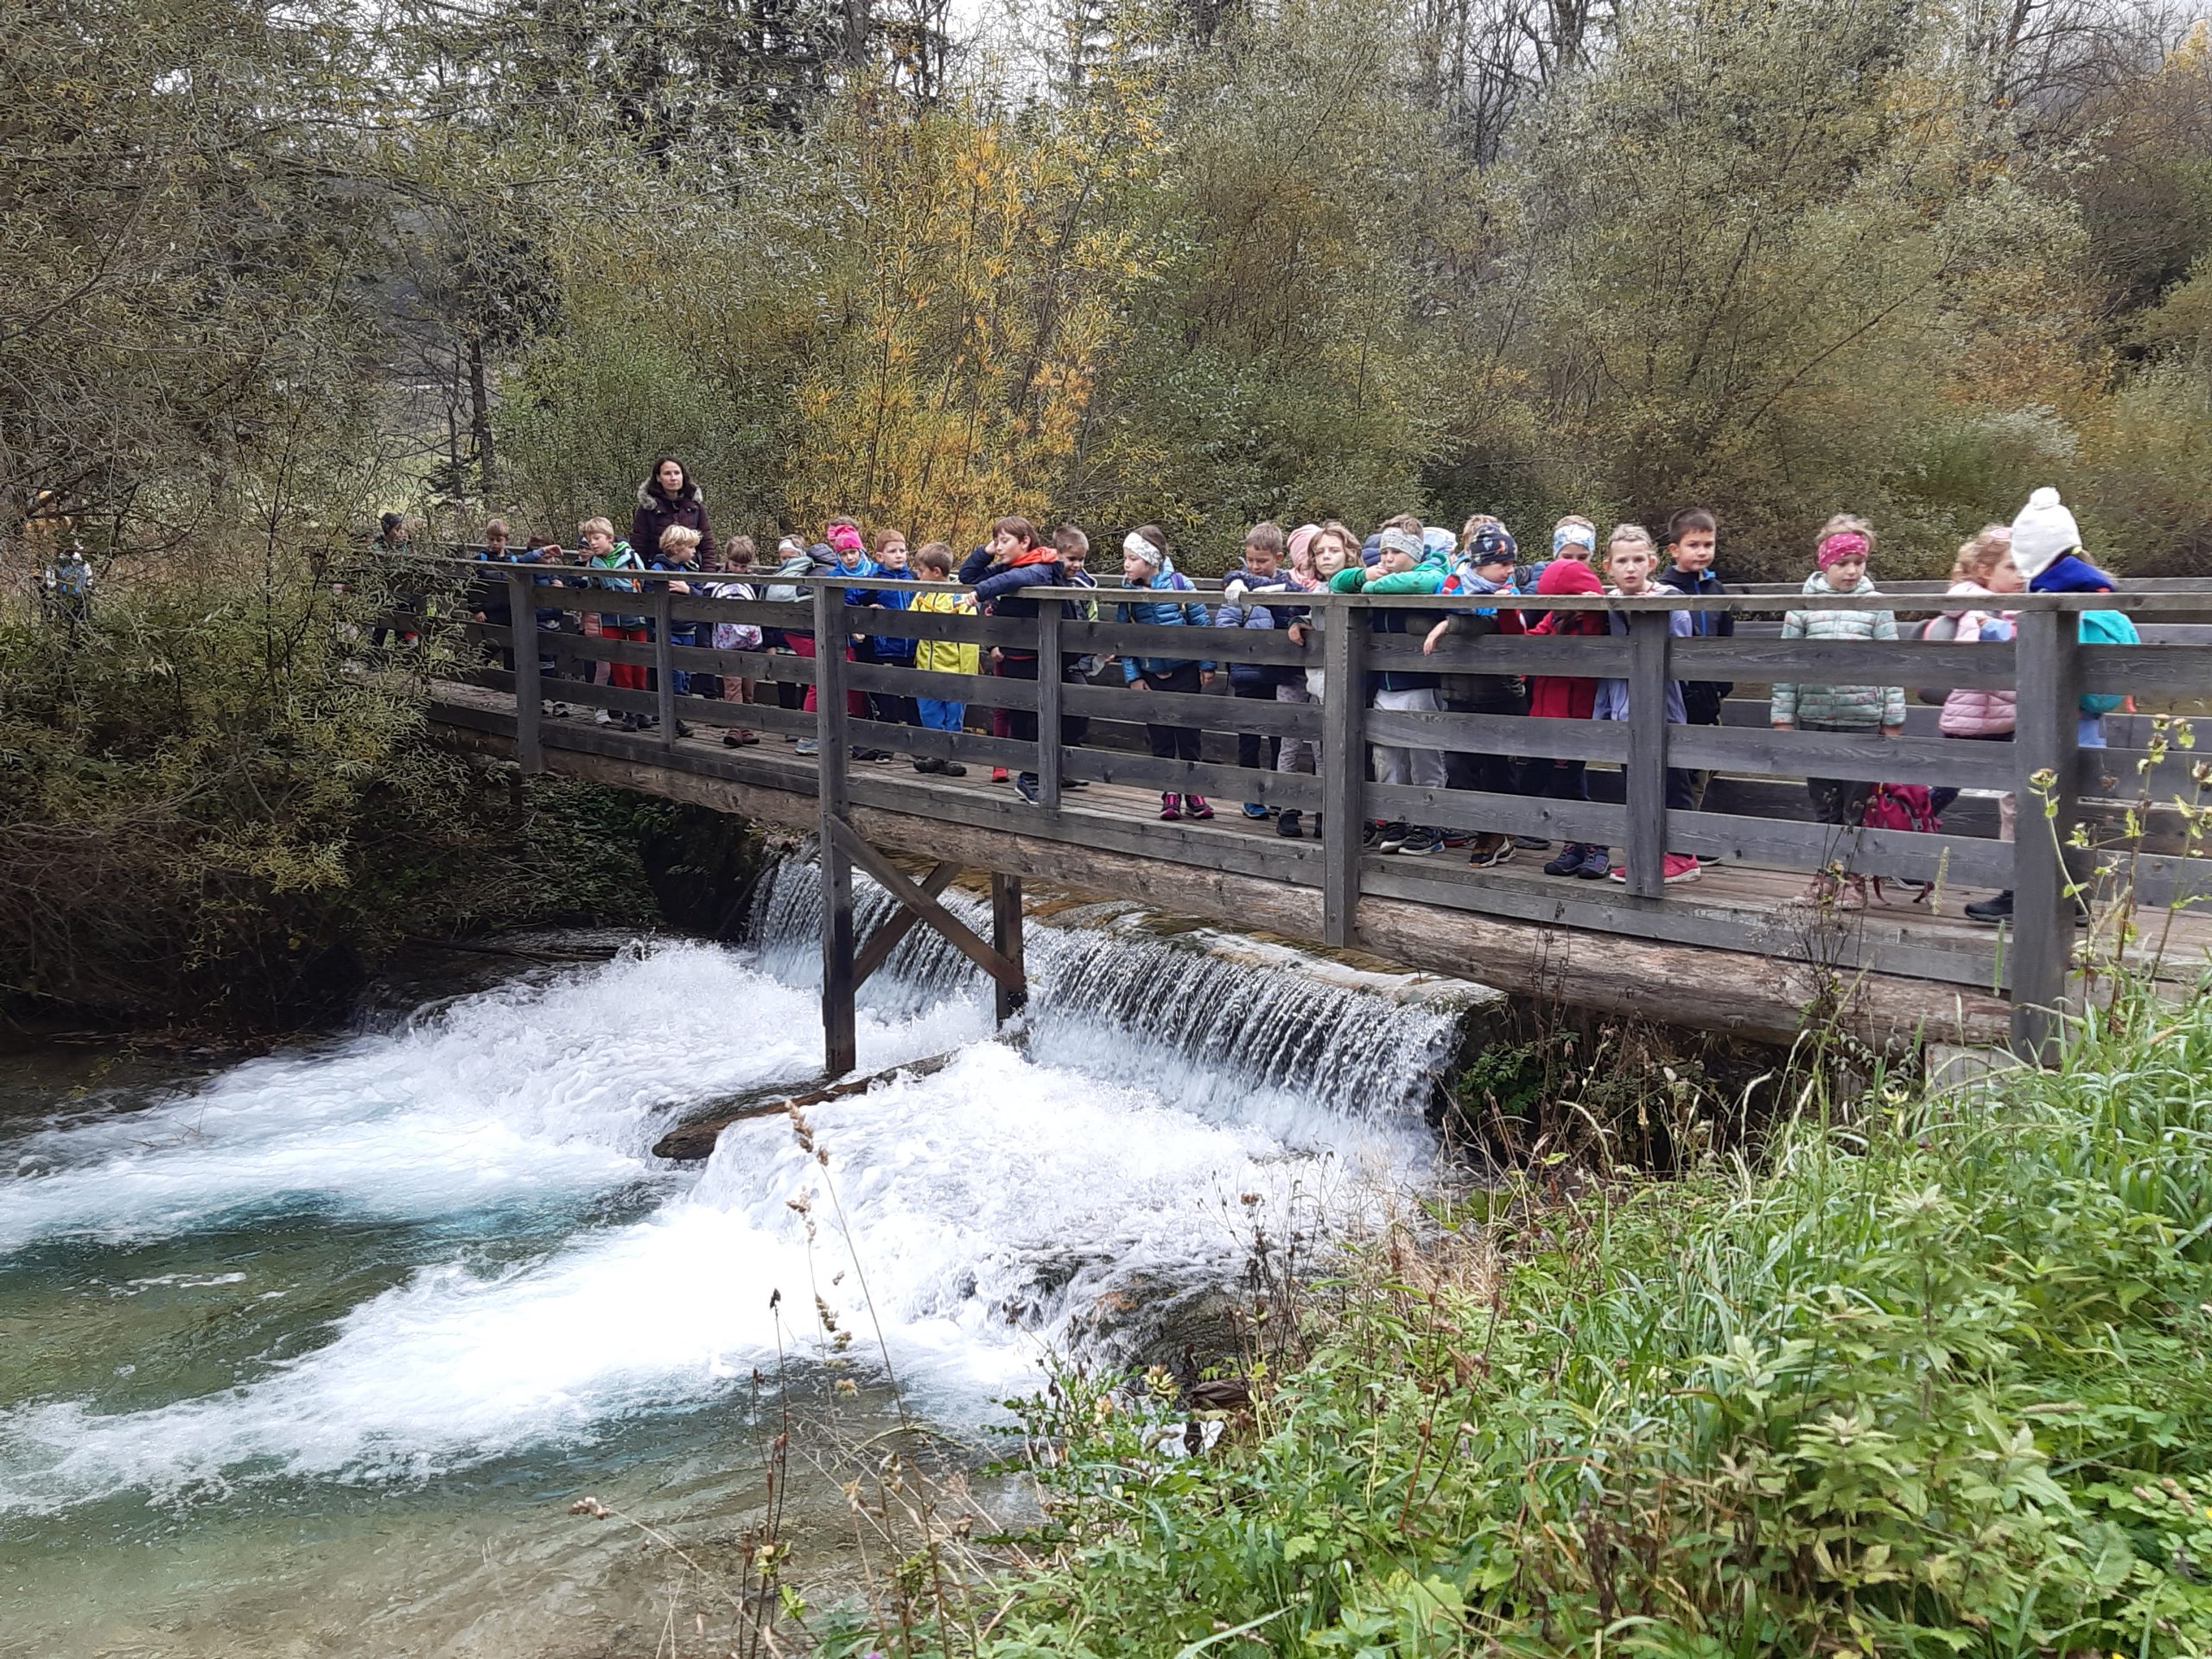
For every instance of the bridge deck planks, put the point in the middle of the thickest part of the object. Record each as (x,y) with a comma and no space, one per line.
(1742,905)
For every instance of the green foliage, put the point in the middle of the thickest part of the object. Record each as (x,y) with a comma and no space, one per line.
(217,803)
(1932,1388)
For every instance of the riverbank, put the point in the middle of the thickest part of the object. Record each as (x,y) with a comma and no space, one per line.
(1928,1379)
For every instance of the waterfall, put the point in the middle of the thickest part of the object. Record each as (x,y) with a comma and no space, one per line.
(1192,1011)
(444,1244)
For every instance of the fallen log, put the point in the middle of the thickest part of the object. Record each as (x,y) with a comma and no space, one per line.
(690,1143)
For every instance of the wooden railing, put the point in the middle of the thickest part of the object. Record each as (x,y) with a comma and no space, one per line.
(2066,794)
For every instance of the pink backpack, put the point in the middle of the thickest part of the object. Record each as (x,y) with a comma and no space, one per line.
(1902,806)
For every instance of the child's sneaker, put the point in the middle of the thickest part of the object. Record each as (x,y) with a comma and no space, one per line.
(1171,807)
(1254,811)
(1194,806)
(1419,843)
(998,774)
(1392,836)
(1568,860)
(1486,852)
(1597,863)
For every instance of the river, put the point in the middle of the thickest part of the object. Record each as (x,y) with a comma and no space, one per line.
(309,1355)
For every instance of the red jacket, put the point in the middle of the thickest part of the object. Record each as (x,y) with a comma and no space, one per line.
(1566,697)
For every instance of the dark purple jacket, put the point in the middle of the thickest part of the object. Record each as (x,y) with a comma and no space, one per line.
(655,513)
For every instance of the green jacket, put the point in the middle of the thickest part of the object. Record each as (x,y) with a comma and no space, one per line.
(1840,705)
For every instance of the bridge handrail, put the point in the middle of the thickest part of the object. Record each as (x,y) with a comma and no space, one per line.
(2046,669)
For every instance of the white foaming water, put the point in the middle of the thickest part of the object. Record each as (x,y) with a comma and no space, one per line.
(528,1093)
(1007,1206)
(980,1216)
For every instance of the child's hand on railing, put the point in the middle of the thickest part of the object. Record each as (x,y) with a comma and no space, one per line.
(1428,645)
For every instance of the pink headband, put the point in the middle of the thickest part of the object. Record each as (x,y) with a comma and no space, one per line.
(1844,544)
(846,539)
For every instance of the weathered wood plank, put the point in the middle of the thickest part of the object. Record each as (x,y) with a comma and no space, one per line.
(1898,854)
(1229,783)
(1342,771)
(1476,810)
(1647,755)
(1739,991)
(1869,756)
(1009,997)
(529,755)
(1181,644)
(1050,692)
(1213,712)
(897,925)
(888,876)
(2044,746)
(1515,734)
(840,1022)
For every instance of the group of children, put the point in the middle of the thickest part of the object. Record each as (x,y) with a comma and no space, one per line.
(2039,550)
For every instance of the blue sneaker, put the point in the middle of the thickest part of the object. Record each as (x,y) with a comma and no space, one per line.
(1254,811)
(1026,786)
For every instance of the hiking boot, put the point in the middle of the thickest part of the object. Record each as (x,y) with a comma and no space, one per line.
(1596,863)
(1487,852)
(1392,836)
(1254,811)
(1569,860)
(1194,806)
(1991,911)
(1288,826)
(1420,842)
(1171,807)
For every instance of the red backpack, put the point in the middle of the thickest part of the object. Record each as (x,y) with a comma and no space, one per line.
(1902,806)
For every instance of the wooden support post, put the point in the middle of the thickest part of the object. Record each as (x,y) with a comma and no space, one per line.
(522,638)
(839,1037)
(1645,778)
(664,668)
(1049,612)
(1005,969)
(1344,764)
(1005,937)
(2045,746)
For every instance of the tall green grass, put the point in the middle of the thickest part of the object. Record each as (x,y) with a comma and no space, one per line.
(1937,1383)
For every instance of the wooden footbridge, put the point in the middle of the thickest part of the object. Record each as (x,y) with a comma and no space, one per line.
(2121,826)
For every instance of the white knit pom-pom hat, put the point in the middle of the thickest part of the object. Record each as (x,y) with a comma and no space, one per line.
(2043,531)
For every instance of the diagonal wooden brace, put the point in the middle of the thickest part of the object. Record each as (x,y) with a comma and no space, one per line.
(885,939)
(925,905)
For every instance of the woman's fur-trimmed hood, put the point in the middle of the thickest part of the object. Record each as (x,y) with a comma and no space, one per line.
(648,495)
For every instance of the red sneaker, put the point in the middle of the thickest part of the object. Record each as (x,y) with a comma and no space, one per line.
(1171,807)
(1194,806)
(998,774)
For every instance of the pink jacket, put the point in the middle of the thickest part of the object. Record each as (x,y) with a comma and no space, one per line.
(1975,711)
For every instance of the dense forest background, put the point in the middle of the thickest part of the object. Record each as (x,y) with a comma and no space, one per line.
(274,267)
(1197,261)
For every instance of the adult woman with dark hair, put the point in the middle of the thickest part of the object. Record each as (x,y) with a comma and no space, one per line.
(667,496)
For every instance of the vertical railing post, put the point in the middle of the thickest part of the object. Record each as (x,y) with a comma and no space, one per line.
(1049,698)
(840,1042)
(521,639)
(1344,764)
(2047,682)
(1645,778)
(663,666)
(1006,939)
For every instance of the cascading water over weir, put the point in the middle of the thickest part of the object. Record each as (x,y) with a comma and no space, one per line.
(408,1269)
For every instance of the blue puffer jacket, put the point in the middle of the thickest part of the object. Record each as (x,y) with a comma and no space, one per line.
(1249,679)
(889,648)
(998,586)
(1166,613)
